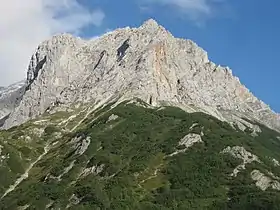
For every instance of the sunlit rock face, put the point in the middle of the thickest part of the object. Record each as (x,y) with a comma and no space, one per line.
(145,62)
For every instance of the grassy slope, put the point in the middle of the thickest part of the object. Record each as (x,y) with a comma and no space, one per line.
(138,174)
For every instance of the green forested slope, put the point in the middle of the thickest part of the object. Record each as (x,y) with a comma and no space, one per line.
(125,162)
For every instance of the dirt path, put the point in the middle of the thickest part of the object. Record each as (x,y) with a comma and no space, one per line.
(25,175)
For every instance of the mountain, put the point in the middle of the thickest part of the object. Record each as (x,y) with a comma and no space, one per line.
(10,98)
(145,62)
(136,119)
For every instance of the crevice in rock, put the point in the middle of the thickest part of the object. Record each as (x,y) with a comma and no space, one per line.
(39,66)
(100,58)
(138,64)
(151,100)
(2,120)
(122,49)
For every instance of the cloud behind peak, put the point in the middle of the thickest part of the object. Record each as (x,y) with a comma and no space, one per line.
(24,24)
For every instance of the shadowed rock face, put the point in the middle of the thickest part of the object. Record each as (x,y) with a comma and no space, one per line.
(3,119)
(145,62)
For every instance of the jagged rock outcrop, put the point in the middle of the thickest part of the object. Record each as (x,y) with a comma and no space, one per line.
(275,162)
(112,118)
(264,182)
(145,62)
(243,154)
(81,144)
(188,141)
(10,98)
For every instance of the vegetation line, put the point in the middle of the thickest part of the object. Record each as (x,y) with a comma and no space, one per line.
(85,117)
(90,110)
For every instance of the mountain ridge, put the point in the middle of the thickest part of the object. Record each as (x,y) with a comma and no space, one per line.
(146,63)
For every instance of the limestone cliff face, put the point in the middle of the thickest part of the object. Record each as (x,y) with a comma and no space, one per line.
(145,62)
(10,98)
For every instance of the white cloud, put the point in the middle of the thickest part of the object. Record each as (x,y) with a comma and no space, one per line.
(26,23)
(193,9)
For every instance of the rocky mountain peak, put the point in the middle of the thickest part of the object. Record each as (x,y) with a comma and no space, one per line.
(145,62)
(151,25)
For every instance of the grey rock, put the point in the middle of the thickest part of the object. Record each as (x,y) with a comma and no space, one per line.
(81,145)
(73,200)
(275,162)
(243,124)
(193,126)
(23,207)
(112,118)
(263,181)
(10,98)
(243,154)
(146,63)
(95,170)
(188,141)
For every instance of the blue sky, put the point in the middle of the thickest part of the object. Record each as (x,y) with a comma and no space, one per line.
(241,34)
(244,35)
